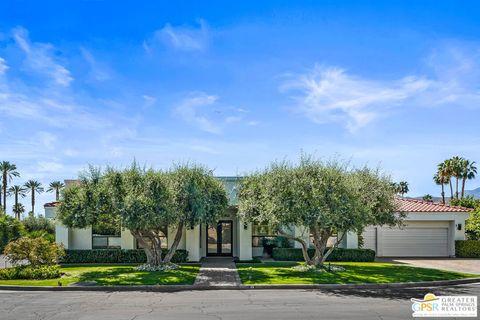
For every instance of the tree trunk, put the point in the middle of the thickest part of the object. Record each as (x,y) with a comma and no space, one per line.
(443,194)
(451,188)
(463,186)
(17,214)
(33,203)
(5,192)
(176,241)
(153,250)
(306,257)
(456,188)
(320,239)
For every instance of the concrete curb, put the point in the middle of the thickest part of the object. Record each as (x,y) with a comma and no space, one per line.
(176,288)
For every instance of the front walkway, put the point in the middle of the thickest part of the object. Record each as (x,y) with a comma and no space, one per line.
(449,264)
(218,272)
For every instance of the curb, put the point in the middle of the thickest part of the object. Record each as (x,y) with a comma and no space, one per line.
(177,288)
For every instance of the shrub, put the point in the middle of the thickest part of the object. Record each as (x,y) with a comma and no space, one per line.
(41,234)
(116,256)
(339,254)
(31,272)
(467,248)
(39,223)
(36,251)
(10,229)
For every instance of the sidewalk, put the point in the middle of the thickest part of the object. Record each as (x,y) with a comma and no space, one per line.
(218,272)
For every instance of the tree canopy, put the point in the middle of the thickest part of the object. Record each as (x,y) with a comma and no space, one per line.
(323,197)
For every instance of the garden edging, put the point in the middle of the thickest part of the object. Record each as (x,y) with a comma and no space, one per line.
(176,288)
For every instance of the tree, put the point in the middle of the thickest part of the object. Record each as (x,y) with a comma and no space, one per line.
(37,251)
(442,181)
(34,187)
(427,197)
(403,187)
(10,229)
(469,171)
(457,171)
(8,170)
(146,201)
(56,186)
(18,209)
(445,171)
(322,197)
(17,191)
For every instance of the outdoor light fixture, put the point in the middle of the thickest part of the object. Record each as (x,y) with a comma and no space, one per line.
(245,226)
(459,226)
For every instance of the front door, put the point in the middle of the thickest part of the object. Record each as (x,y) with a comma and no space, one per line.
(220,238)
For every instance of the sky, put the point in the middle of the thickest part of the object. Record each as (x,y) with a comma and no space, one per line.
(235,85)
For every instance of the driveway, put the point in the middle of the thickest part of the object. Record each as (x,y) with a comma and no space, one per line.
(450,264)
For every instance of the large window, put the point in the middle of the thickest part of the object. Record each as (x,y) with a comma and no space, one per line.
(163,239)
(100,241)
(261,233)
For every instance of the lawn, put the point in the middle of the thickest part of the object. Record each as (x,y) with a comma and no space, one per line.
(355,272)
(110,275)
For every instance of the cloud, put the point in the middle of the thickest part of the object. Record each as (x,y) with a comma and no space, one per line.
(49,166)
(190,109)
(40,58)
(47,139)
(327,94)
(183,38)
(3,66)
(148,100)
(97,71)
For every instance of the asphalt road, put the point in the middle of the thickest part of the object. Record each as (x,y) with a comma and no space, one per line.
(221,304)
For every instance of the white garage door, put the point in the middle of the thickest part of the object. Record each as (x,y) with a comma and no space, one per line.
(414,242)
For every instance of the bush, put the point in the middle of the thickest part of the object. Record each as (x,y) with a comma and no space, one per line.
(36,251)
(41,234)
(31,272)
(10,229)
(39,223)
(339,254)
(467,248)
(116,256)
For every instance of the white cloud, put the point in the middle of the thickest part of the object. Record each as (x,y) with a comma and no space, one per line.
(46,139)
(40,58)
(183,37)
(190,109)
(97,71)
(3,66)
(149,100)
(49,166)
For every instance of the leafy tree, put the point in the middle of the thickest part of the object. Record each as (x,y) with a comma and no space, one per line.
(37,251)
(40,223)
(146,201)
(442,181)
(10,229)
(427,197)
(8,170)
(472,225)
(56,186)
(469,171)
(402,188)
(17,191)
(34,187)
(18,209)
(323,197)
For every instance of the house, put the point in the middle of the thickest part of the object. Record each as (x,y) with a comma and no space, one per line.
(430,230)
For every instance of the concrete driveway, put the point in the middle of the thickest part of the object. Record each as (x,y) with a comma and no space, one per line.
(450,264)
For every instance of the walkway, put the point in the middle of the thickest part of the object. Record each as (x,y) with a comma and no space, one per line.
(218,272)
(450,264)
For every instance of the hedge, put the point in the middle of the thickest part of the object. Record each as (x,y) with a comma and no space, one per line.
(116,256)
(467,248)
(339,254)
(30,272)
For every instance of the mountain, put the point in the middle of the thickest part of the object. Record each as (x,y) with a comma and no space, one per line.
(474,192)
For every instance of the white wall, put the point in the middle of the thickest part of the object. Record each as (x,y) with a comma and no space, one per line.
(128,240)
(192,242)
(244,240)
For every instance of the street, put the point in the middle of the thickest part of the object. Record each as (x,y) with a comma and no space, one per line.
(221,304)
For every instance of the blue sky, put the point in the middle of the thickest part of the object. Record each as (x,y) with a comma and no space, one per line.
(235,85)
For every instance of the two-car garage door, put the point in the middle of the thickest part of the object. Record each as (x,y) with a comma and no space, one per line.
(414,240)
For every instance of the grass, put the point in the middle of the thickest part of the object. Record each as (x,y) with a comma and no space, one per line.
(110,275)
(355,272)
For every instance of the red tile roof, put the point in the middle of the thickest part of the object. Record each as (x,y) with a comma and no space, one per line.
(416,205)
(50,204)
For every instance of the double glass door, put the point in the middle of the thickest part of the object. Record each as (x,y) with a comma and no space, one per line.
(220,238)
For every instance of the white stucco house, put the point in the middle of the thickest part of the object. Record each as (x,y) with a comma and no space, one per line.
(430,231)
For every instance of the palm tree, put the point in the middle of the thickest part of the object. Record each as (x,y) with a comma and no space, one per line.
(403,187)
(34,187)
(427,197)
(18,209)
(441,180)
(469,170)
(56,186)
(445,171)
(457,169)
(8,170)
(17,191)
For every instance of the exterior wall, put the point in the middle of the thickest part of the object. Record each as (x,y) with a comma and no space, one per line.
(127,239)
(192,240)
(244,241)
(50,212)
(62,235)
(302,233)
(81,239)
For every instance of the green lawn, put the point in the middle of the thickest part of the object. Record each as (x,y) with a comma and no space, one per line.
(355,272)
(109,275)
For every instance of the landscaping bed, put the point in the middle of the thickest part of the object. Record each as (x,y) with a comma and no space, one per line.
(355,272)
(110,275)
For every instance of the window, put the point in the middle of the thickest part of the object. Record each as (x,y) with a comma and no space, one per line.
(261,233)
(163,238)
(100,241)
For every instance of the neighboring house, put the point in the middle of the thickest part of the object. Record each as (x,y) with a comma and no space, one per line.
(430,231)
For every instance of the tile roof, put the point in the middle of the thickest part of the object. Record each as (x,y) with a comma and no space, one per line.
(416,205)
(50,204)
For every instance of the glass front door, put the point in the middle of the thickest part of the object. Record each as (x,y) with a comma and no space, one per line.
(220,238)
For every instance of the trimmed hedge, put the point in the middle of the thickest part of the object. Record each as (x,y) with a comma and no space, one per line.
(116,256)
(467,248)
(30,272)
(339,254)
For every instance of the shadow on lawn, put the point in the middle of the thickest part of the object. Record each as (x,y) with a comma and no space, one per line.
(130,276)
